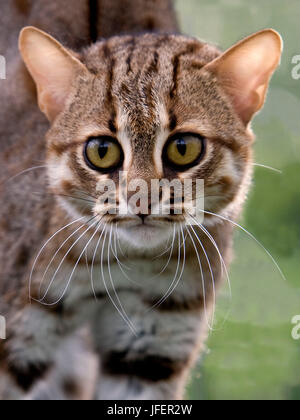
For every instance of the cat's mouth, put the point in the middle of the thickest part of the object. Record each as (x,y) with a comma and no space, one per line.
(143,221)
(146,232)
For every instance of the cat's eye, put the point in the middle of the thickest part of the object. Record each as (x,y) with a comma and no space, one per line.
(184,151)
(103,154)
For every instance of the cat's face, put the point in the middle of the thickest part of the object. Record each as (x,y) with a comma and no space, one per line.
(154,107)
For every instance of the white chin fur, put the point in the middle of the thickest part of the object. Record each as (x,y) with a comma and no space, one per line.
(145,237)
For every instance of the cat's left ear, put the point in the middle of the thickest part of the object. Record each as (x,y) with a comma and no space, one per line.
(245,70)
(52,67)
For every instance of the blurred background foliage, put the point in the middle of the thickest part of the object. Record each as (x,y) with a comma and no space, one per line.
(252,355)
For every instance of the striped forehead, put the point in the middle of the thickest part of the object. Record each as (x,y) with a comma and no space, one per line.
(142,78)
(141,85)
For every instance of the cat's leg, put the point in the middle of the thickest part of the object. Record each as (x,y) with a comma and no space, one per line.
(34,335)
(44,360)
(74,375)
(154,363)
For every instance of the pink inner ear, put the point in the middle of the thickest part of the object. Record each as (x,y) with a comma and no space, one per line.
(52,67)
(245,70)
(246,105)
(51,104)
(248,97)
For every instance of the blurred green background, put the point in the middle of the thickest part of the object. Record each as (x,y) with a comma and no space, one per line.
(252,355)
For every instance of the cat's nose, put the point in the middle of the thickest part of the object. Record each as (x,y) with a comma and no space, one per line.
(142,217)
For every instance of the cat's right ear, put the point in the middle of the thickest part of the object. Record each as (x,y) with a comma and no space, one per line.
(52,67)
(244,71)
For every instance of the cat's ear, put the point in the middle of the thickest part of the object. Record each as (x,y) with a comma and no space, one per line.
(245,70)
(52,67)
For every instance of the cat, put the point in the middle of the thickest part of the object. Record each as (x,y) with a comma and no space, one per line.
(127,93)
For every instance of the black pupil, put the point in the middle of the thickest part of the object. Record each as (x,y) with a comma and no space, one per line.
(103,149)
(181,146)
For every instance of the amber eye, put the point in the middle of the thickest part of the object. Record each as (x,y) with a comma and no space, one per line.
(184,151)
(103,153)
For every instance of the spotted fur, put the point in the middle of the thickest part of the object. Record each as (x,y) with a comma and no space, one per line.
(140,87)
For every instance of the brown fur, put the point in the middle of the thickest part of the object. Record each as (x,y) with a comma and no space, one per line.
(139,87)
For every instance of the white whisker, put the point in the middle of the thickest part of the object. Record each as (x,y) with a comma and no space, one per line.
(170,256)
(225,219)
(54,256)
(113,286)
(107,289)
(75,266)
(23,173)
(268,167)
(44,246)
(175,281)
(202,279)
(64,258)
(93,263)
(211,273)
(122,266)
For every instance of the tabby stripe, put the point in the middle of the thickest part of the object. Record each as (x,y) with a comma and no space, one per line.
(176,65)
(27,376)
(153,68)
(94,10)
(172,121)
(130,56)
(109,96)
(176,305)
(149,368)
(23,6)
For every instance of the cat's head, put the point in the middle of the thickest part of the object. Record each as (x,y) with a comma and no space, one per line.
(156,107)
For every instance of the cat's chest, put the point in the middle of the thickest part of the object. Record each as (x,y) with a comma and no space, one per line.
(150,280)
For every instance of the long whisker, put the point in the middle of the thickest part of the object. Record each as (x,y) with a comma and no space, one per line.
(112,283)
(93,263)
(115,252)
(176,283)
(87,262)
(73,197)
(202,279)
(168,248)
(119,245)
(44,246)
(75,266)
(170,256)
(211,273)
(251,236)
(120,264)
(175,276)
(23,173)
(107,289)
(64,258)
(55,255)
(223,264)
(268,167)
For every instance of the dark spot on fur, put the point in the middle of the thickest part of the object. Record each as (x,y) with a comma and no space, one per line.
(23,6)
(71,388)
(26,377)
(112,126)
(176,305)
(22,256)
(149,23)
(94,12)
(173,122)
(151,368)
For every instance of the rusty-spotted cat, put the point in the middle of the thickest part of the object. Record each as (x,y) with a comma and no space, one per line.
(157,105)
